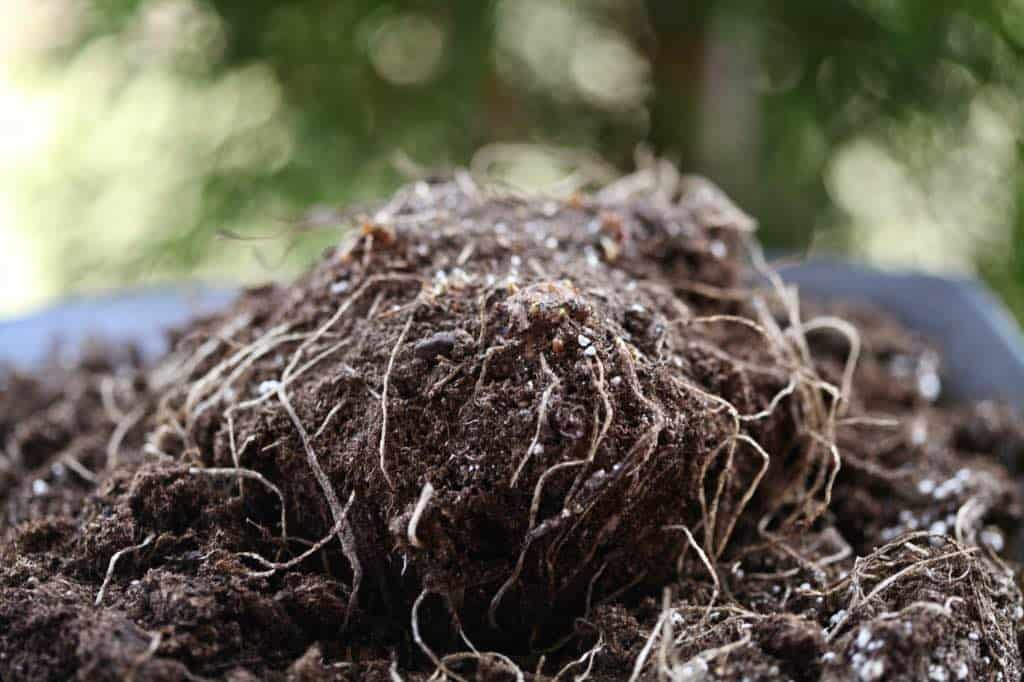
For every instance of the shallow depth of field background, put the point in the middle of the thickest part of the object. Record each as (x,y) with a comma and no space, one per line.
(136,134)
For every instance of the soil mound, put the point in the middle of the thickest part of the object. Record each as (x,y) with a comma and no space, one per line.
(492,434)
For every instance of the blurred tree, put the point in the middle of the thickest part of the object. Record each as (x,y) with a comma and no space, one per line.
(887,128)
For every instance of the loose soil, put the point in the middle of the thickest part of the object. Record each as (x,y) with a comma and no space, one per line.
(503,437)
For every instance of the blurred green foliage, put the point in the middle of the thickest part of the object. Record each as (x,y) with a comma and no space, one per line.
(885,128)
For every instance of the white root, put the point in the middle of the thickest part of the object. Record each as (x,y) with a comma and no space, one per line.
(418,638)
(238,472)
(492,612)
(599,434)
(120,431)
(641,659)
(199,387)
(609,414)
(587,656)
(177,367)
(786,391)
(71,463)
(890,581)
(417,512)
(853,337)
(384,403)
(344,529)
(766,462)
(274,566)
(542,413)
(107,388)
(479,656)
(247,357)
(342,309)
(704,558)
(113,564)
(666,627)
(711,654)
(327,419)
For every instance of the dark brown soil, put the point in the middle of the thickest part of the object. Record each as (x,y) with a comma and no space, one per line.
(497,437)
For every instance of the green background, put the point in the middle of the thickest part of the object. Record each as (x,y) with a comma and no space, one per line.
(139,134)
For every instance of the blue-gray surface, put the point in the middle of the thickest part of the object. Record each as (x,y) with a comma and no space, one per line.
(141,317)
(982,346)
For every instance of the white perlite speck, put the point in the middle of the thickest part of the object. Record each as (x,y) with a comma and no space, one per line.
(871,670)
(863,637)
(268,386)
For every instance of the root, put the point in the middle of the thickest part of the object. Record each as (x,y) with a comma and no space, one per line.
(199,386)
(821,419)
(666,634)
(474,654)
(967,518)
(590,589)
(629,370)
(443,381)
(236,453)
(646,444)
(609,414)
(417,512)
(274,566)
(837,462)
(488,354)
(240,473)
(107,388)
(286,378)
(384,402)
(877,422)
(542,413)
(328,418)
(766,462)
(478,656)
(713,292)
(113,564)
(599,434)
(177,367)
(122,429)
(707,564)
(709,655)
(710,512)
(344,529)
(415,618)
(343,308)
(773,405)
(853,337)
(247,356)
(79,469)
(154,644)
(531,535)
(861,567)
(641,659)
(588,657)
(735,319)
(706,511)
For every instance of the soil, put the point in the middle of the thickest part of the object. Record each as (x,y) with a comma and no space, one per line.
(501,437)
